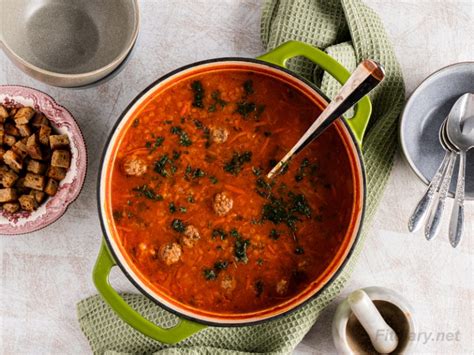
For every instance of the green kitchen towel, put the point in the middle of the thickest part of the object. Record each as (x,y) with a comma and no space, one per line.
(350,32)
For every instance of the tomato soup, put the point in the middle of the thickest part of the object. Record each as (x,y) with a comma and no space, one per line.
(192,207)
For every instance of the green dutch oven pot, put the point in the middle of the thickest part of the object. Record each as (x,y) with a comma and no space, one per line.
(109,256)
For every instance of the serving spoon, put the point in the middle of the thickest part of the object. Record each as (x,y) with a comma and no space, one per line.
(460,132)
(365,77)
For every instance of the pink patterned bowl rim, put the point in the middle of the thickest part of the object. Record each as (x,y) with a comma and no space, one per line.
(70,187)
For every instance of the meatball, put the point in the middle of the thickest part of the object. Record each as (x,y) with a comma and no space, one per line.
(219,135)
(228,283)
(170,253)
(282,287)
(190,237)
(222,204)
(133,165)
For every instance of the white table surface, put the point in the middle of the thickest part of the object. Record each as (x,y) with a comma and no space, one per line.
(45,274)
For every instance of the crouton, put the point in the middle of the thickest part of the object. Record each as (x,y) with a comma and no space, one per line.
(38,195)
(24,130)
(44,135)
(35,181)
(9,178)
(58,141)
(33,147)
(9,140)
(61,158)
(2,152)
(56,173)
(51,187)
(20,149)
(8,194)
(11,130)
(3,114)
(11,207)
(2,136)
(23,115)
(13,160)
(36,167)
(20,186)
(28,202)
(39,120)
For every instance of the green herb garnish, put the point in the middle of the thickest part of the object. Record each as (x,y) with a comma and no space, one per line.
(184,139)
(178,225)
(259,287)
(152,146)
(148,193)
(162,164)
(248,87)
(234,166)
(191,173)
(274,234)
(219,233)
(198,91)
(210,274)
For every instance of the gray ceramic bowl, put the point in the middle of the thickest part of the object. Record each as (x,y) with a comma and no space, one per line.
(68,43)
(421,119)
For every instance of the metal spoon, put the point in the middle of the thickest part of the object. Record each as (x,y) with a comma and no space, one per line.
(436,212)
(367,76)
(460,132)
(421,210)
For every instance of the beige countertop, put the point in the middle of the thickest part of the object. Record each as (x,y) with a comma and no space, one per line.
(44,274)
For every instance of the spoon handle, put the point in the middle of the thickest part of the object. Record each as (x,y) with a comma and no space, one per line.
(432,227)
(456,224)
(365,77)
(421,209)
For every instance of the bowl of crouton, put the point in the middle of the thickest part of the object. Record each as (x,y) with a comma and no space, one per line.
(43,160)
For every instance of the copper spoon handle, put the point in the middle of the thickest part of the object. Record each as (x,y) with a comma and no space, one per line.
(367,76)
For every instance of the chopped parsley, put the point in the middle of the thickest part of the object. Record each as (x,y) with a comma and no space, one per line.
(210,274)
(148,193)
(191,173)
(248,87)
(178,225)
(213,179)
(164,166)
(299,250)
(220,265)
(184,139)
(152,146)
(219,233)
(240,246)
(198,91)
(279,210)
(172,207)
(190,199)
(198,124)
(234,165)
(257,171)
(274,234)
(259,286)
(217,101)
(245,108)
(305,168)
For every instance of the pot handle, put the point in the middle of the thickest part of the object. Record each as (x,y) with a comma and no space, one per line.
(287,50)
(102,268)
